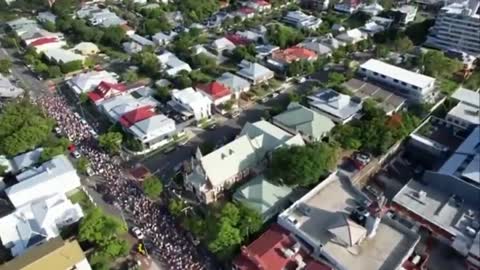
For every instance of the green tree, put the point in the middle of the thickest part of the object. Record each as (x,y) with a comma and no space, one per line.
(335,79)
(250,222)
(283,36)
(111,141)
(3,170)
(5,66)
(202,60)
(83,164)
(182,81)
(381,51)
(227,238)
(152,186)
(403,44)
(417,32)
(147,62)
(54,72)
(49,152)
(176,207)
(162,94)
(436,64)
(243,53)
(129,76)
(63,7)
(197,10)
(113,36)
(71,66)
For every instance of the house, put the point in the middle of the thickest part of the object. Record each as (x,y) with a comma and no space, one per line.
(372,9)
(33,34)
(33,224)
(55,254)
(157,129)
(348,6)
(104,18)
(238,39)
(337,28)
(86,48)
(172,64)
(264,197)
(8,90)
(46,16)
(414,86)
(245,13)
(329,41)
(200,49)
(190,102)
(352,36)
(318,5)
(293,54)
(265,50)
(259,5)
(276,249)
(56,176)
(235,83)
(21,22)
(467,111)
(222,44)
(129,31)
(88,81)
(26,160)
(407,13)
(254,72)
(106,90)
(254,35)
(144,42)
(312,125)
(338,107)
(208,176)
(163,39)
(43,44)
(317,47)
(62,56)
(216,92)
(371,28)
(301,20)
(131,47)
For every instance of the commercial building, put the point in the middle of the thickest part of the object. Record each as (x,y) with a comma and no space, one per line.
(338,222)
(56,176)
(312,125)
(254,72)
(457,28)
(414,86)
(340,108)
(301,20)
(55,254)
(34,223)
(467,111)
(445,201)
(88,81)
(208,176)
(190,102)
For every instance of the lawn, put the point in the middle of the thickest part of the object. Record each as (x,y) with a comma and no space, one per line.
(81,198)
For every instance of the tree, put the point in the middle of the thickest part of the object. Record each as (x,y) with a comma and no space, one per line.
(417,32)
(335,79)
(54,72)
(182,81)
(129,76)
(111,141)
(5,66)
(3,170)
(49,26)
(381,51)
(147,62)
(71,66)
(436,64)
(197,10)
(403,44)
(301,165)
(162,94)
(283,36)
(176,207)
(243,53)
(49,152)
(227,238)
(63,8)
(113,36)
(152,186)
(202,60)
(83,164)
(250,222)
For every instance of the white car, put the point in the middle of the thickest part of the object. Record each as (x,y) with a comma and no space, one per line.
(76,154)
(137,233)
(58,131)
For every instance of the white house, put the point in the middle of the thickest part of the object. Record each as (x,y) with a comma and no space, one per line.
(62,56)
(338,107)
(172,64)
(254,72)
(352,36)
(222,44)
(131,47)
(301,20)
(34,223)
(8,90)
(56,176)
(191,102)
(373,9)
(46,16)
(88,81)
(163,39)
(415,86)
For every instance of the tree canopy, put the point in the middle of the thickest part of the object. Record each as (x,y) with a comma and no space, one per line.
(5,66)
(283,36)
(152,186)
(147,61)
(113,36)
(111,141)
(301,165)
(436,64)
(197,10)
(241,52)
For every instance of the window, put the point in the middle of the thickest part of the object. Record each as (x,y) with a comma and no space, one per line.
(375,73)
(383,76)
(395,80)
(404,83)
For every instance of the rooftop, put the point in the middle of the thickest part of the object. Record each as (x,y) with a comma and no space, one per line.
(467,96)
(334,103)
(106,90)
(26,160)
(466,112)
(316,218)
(62,55)
(137,115)
(85,82)
(214,89)
(419,80)
(293,54)
(470,8)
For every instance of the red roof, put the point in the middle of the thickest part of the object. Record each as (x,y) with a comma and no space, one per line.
(42,41)
(266,252)
(105,89)
(293,54)
(137,115)
(214,89)
(237,39)
(246,10)
(262,3)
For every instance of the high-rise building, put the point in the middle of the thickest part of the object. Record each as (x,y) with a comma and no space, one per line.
(457,28)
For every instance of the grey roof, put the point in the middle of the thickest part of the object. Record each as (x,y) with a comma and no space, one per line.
(253,71)
(26,160)
(7,89)
(141,40)
(261,194)
(468,96)
(334,103)
(305,121)
(233,82)
(317,47)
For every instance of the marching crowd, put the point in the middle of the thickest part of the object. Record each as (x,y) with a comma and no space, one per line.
(167,241)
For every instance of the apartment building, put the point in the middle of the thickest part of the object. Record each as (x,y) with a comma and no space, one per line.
(416,87)
(467,112)
(457,28)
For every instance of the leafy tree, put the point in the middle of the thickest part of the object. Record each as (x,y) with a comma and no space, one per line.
(3,169)
(202,60)
(176,207)
(197,76)
(473,82)
(417,32)
(5,66)
(63,7)
(403,44)
(129,76)
(227,238)
(162,94)
(71,66)
(250,222)
(301,165)
(283,36)
(49,26)
(197,10)
(54,72)
(111,141)
(113,36)
(152,186)
(244,52)
(381,51)
(436,64)
(83,164)
(147,62)
(133,144)
(182,81)
(49,152)
(335,79)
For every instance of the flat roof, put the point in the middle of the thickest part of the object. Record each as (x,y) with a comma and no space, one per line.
(334,198)
(467,96)
(466,112)
(467,150)
(403,75)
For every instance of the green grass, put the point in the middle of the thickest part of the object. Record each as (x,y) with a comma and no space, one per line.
(81,198)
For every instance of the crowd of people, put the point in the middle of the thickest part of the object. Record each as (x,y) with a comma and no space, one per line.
(166,240)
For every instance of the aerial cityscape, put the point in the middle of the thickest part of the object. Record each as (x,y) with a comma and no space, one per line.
(239,134)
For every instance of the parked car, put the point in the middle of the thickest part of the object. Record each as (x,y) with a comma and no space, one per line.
(137,233)
(76,154)
(361,159)
(58,131)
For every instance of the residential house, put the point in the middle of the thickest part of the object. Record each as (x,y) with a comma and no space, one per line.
(190,102)
(105,90)
(276,249)
(222,44)
(467,111)
(208,176)
(259,5)
(265,50)
(56,176)
(163,39)
(86,48)
(235,83)
(407,13)
(62,56)
(172,64)
(263,196)
(317,47)
(255,35)
(34,223)
(26,160)
(348,6)
(352,36)
(340,108)
(144,42)
(216,92)
(33,34)
(88,81)
(371,28)
(201,49)
(293,54)
(46,16)
(20,23)
(43,44)
(414,86)
(372,9)
(9,90)
(312,125)
(301,20)
(338,28)
(238,39)
(131,47)
(245,13)
(329,41)
(254,72)
(105,18)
